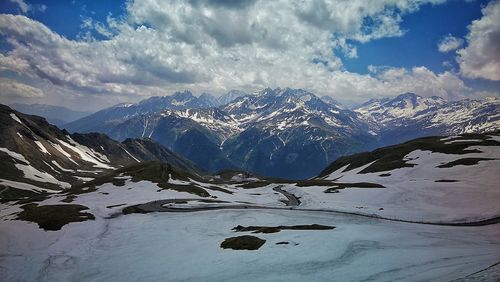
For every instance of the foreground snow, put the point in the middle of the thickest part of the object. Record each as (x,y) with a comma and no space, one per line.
(185,246)
(418,193)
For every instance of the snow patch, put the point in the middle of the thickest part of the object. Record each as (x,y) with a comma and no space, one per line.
(15,155)
(14,117)
(24,186)
(42,148)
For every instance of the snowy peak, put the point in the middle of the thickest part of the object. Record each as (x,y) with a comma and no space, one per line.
(403,106)
(229,97)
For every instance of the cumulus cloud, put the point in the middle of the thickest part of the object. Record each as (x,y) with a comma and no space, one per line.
(481,57)
(449,43)
(13,89)
(390,81)
(162,46)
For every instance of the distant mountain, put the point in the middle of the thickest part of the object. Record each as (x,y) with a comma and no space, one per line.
(333,102)
(196,134)
(289,133)
(54,114)
(35,155)
(105,119)
(281,133)
(409,116)
(229,97)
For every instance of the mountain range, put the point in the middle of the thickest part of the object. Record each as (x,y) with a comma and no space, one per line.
(56,115)
(287,133)
(82,200)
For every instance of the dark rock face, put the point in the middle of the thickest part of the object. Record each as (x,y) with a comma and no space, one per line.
(34,152)
(245,242)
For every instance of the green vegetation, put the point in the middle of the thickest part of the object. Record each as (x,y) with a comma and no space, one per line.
(464,161)
(54,217)
(245,242)
(392,157)
(275,229)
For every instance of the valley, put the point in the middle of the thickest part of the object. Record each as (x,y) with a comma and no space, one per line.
(428,204)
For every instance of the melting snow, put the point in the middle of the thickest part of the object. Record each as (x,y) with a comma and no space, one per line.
(87,154)
(40,176)
(24,186)
(14,117)
(15,155)
(42,148)
(131,155)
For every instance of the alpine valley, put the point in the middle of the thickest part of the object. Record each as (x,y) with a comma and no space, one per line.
(82,206)
(285,133)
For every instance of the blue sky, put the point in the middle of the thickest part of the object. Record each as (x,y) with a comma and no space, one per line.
(147,47)
(418,45)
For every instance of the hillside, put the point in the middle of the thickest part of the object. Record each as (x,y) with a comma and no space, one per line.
(435,198)
(36,156)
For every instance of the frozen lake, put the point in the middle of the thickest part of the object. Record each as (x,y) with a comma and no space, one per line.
(186,246)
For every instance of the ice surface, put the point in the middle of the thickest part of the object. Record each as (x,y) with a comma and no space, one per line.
(185,246)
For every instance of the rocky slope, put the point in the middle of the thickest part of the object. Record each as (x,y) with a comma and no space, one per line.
(37,156)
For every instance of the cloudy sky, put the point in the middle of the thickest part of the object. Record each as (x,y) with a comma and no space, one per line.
(92,54)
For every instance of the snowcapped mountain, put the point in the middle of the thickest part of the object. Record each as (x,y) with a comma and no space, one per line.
(391,112)
(196,134)
(288,133)
(281,132)
(229,97)
(56,115)
(37,156)
(408,116)
(329,100)
(291,133)
(105,119)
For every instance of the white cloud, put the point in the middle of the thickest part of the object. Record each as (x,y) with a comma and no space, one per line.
(449,43)
(390,81)
(481,57)
(163,46)
(22,5)
(13,89)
